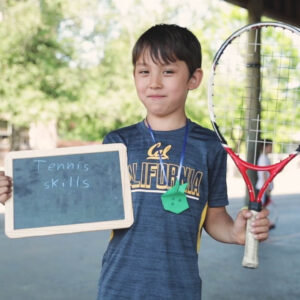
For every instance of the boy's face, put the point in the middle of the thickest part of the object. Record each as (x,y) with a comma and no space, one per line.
(162,88)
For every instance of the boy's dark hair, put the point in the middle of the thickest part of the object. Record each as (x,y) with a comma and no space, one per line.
(167,43)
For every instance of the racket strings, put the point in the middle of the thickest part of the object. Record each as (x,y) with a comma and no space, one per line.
(271,79)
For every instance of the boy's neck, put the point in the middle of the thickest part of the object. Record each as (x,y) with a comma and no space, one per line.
(166,124)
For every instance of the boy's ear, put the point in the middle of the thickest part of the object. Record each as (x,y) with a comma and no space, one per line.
(195,79)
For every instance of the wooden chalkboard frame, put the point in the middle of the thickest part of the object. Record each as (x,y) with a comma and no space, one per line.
(13,232)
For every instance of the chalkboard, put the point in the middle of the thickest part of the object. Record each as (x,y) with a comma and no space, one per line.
(68,190)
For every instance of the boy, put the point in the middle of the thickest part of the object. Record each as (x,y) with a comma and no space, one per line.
(157,257)
(178,180)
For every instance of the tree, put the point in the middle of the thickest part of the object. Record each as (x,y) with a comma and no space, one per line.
(70,61)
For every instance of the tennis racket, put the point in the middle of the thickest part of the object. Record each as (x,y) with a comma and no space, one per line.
(254,96)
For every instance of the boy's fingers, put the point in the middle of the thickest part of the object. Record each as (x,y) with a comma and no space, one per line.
(261,232)
(5,187)
(4,198)
(5,193)
(263,214)
(5,190)
(246,213)
(5,181)
(261,236)
(260,229)
(260,222)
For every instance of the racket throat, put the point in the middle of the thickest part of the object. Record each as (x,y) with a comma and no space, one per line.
(257,206)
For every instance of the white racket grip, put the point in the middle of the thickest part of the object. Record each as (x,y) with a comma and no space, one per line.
(250,259)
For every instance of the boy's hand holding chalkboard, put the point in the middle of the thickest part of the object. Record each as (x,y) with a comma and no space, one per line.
(66,190)
(5,187)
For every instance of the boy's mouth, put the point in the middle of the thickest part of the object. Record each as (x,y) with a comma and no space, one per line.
(155,96)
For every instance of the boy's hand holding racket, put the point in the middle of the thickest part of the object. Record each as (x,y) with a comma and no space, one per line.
(259,225)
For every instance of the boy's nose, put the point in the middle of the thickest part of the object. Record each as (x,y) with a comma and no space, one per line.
(155,82)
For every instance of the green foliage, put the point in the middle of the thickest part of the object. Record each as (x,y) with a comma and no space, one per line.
(71,60)
(31,81)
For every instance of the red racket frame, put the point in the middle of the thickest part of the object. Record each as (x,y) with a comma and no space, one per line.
(273,170)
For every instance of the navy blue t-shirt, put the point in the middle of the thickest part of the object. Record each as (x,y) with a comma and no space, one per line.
(157,257)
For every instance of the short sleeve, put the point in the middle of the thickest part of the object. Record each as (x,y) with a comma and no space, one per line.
(112,138)
(217,195)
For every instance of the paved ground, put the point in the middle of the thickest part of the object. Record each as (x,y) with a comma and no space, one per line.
(67,267)
(278,275)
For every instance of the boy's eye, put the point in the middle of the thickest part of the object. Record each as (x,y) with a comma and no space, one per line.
(169,72)
(143,72)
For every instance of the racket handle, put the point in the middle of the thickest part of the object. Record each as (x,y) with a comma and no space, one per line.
(250,259)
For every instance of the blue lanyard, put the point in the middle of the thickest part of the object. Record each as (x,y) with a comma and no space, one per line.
(182,152)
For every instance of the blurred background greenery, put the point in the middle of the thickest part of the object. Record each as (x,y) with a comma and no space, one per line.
(68,63)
